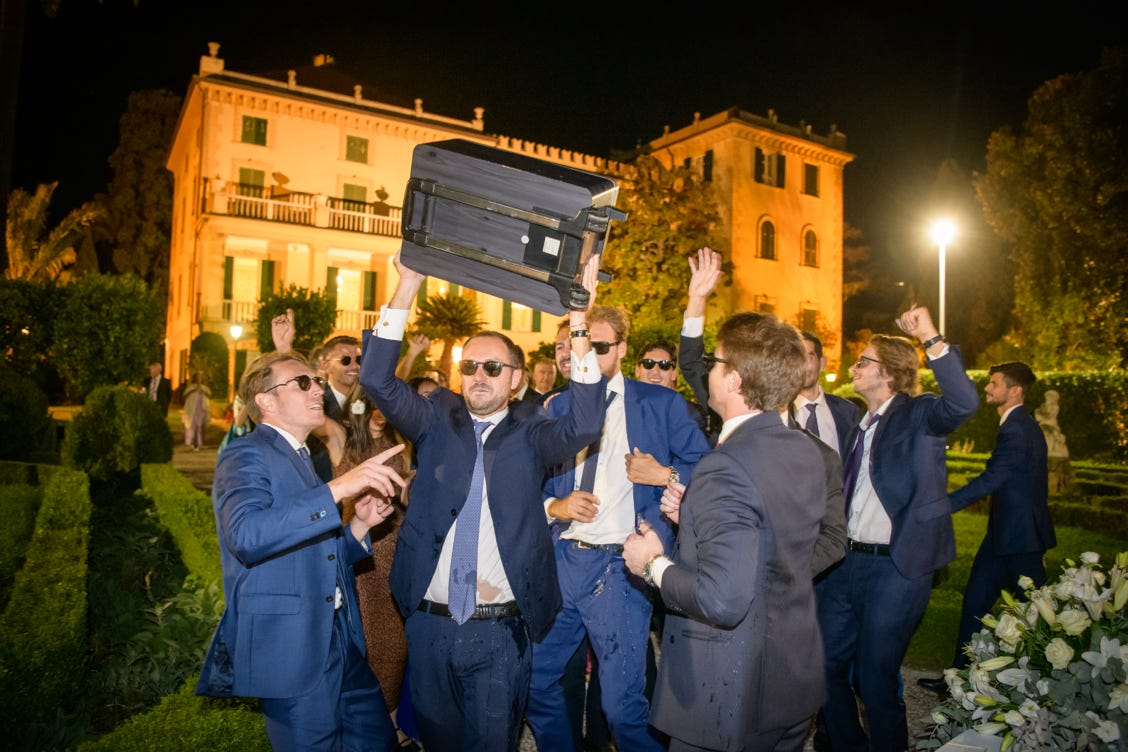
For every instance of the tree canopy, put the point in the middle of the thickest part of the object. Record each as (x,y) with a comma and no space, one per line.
(38,252)
(1056,191)
(314,316)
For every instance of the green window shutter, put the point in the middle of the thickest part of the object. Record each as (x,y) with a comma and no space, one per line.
(266,279)
(707,167)
(356,149)
(331,284)
(228,276)
(369,291)
(421,298)
(254,130)
(506,315)
(536,320)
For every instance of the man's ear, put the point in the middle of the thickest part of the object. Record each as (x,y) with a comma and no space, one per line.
(265,402)
(515,379)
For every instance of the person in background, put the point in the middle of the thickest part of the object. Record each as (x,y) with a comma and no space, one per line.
(291,634)
(159,387)
(544,375)
(197,412)
(341,358)
(737,671)
(659,365)
(1019,528)
(827,416)
(899,527)
(563,360)
(524,390)
(473,572)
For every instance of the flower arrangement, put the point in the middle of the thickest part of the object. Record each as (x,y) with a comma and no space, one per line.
(1048,671)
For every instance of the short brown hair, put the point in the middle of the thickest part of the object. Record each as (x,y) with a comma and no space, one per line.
(615,317)
(900,359)
(259,377)
(769,356)
(515,353)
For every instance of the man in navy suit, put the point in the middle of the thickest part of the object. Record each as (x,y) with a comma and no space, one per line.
(1019,529)
(740,617)
(601,598)
(829,417)
(899,528)
(159,387)
(469,679)
(341,358)
(291,633)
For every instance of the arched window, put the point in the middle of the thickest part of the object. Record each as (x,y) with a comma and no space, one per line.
(767,241)
(810,248)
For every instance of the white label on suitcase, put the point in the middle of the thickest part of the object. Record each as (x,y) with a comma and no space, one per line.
(551,246)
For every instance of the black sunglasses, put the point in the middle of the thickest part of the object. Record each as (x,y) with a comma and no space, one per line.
(491,367)
(710,360)
(602,348)
(665,365)
(303,383)
(347,359)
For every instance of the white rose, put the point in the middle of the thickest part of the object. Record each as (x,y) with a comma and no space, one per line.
(1009,630)
(1118,698)
(1107,731)
(1090,557)
(1025,583)
(1074,622)
(1058,653)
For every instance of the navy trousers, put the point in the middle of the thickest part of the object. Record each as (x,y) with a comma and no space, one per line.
(989,576)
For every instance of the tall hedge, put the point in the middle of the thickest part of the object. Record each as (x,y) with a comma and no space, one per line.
(116,431)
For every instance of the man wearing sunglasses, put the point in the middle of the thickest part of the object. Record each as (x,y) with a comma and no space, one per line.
(471,615)
(598,510)
(341,356)
(291,634)
(659,365)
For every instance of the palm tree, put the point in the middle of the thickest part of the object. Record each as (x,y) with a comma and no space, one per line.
(34,254)
(449,318)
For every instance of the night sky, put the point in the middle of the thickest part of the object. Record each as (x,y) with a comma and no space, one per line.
(908,91)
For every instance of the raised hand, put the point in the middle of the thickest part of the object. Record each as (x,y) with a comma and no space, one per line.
(282,331)
(705,273)
(917,322)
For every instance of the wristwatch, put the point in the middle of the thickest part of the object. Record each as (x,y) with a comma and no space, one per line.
(675,477)
(648,571)
(929,343)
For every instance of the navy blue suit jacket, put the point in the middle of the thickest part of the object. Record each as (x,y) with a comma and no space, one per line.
(846,417)
(908,466)
(282,544)
(657,423)
(1016,480)
(518,453)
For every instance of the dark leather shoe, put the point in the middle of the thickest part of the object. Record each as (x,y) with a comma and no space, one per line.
(936,684)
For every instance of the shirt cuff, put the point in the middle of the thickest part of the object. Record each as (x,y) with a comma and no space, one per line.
(547,504)
(658,568)
(585,370)
(942,353)
(693,326)
(392,323)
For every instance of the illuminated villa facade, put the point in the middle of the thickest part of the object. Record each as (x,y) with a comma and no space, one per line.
(298,179)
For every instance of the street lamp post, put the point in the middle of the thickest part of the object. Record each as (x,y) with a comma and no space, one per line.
(942,233)
(236,333)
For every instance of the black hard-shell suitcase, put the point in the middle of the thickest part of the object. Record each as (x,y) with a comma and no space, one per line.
(504,223)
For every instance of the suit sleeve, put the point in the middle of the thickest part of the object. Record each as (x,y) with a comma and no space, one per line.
(727,521)
(407,411)
(958,399)
(691,363)
(1009,457)
(572,428)
(830,545)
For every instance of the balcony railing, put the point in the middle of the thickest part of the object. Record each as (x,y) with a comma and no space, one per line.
(275,204)
(245,312)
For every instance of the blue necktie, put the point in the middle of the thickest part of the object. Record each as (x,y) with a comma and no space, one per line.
(812,421)
(587,480)
(463,584)
(854,462)
(307,463)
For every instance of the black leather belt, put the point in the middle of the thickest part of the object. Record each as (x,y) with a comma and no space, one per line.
(615,548)
(487,611)
(877,549)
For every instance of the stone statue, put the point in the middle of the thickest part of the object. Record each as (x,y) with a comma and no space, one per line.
(1057,453)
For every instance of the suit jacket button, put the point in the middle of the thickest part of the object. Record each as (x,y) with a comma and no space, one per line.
(332,556)
(328,599)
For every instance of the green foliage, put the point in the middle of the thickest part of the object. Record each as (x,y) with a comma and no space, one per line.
(207,356)
(36,253)
(450,319)
(27,322)
(24,421)
(184,722)
(670,215)
(139,197)
(115,432)
(43,627)
(187,513)
(107,331)
(1055,192)
(315,313)
(19,505)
